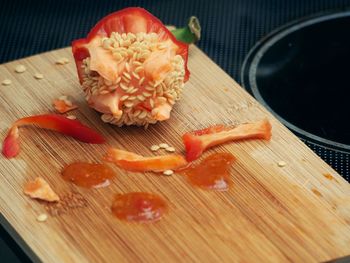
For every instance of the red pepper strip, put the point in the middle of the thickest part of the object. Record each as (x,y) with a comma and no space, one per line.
(198,141)
(10,146)
(53,122)
(138,163)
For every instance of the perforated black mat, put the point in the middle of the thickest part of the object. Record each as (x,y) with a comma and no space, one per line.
(230,29)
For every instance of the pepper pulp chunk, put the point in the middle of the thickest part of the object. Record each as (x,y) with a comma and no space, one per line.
(212,173)
(139,207)
(89,175)
(131,68)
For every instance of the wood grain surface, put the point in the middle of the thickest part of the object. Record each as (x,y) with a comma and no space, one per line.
(271,214)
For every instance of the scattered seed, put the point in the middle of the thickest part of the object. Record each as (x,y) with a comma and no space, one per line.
(127,66)
(42,218)
(137,63)
(130,90)
(168,172)
(151,103)
(170,149)
(134,90)
(71,117)
(141,80)
(123,86)
(132,98)
(163,145)
(62,61)
(6,82)
(137,113)
(281,163)
(118,80)
(125,79)
(125,97)
(136,76)
(102,92)
(138,69)
(142,115)
(106,117)
(127,75)
(140,97)
(146,94)
(155,148)
(129,104)
(20,69)
(38,76)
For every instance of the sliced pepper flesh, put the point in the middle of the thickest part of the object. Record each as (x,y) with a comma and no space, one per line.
(138,163)
(53,122)
(197,142)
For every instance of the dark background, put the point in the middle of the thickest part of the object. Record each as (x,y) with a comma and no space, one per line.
(230,29)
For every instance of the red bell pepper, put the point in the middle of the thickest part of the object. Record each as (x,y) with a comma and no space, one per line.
(138,163)
(53,122)
(128,20)
(197,142)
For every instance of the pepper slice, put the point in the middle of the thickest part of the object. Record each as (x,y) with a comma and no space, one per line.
(138,163)
(53,122)
(197,142)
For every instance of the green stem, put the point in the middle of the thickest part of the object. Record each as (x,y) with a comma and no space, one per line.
(190,33)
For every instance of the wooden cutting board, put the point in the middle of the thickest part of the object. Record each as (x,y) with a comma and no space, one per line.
(275,214)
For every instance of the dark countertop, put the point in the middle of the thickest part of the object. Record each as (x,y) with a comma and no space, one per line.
(230,29)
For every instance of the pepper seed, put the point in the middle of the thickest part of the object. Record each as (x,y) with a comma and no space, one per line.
(281,163)
(163,145)
(71,117)
(38,76)
(20,69)
(42,217)
(154,148)
(170,149)
(168,172)
(6,82)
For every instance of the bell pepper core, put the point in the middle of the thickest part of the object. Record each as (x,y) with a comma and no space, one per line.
(133,20)
(123,57)
(53,122)
(198,141)
(138,163)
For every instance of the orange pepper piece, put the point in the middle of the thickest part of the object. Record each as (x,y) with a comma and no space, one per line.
(197,142)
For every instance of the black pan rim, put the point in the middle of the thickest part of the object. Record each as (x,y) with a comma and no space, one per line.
(252,60)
